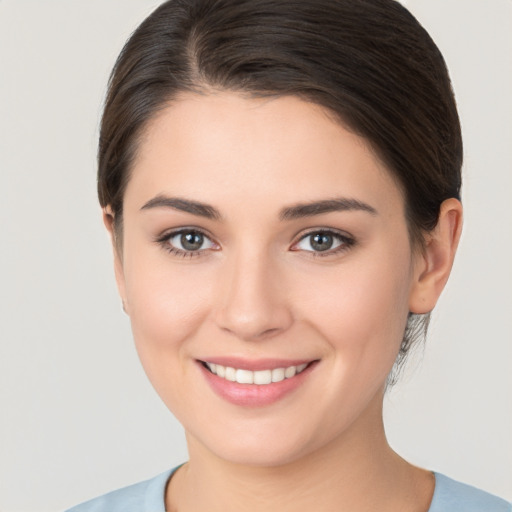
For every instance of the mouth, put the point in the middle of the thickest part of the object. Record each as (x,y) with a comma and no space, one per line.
(256,383)
(257,377)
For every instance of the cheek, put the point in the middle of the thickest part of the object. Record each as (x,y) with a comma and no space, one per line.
(362,319)
(364,315)
(167,305)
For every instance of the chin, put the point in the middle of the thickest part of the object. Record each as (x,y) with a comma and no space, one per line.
(258,455)
(259,443)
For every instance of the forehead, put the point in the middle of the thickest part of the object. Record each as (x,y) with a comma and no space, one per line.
(226,147)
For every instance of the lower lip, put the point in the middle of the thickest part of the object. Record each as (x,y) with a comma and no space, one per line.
(255,395)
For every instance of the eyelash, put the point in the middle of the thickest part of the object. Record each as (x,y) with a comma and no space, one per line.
(346,243)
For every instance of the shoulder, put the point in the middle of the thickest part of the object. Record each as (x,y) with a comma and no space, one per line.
(453,496)
(146,496)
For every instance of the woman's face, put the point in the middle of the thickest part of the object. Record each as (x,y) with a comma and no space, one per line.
(261,238)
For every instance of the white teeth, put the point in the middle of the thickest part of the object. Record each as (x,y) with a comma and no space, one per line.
(278,374)
(290,372)
(263,377)
(230,374)
(244,377)
(260,377)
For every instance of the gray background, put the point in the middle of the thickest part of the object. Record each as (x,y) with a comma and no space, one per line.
(77,416)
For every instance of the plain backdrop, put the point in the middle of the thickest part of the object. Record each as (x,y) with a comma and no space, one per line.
(77,415)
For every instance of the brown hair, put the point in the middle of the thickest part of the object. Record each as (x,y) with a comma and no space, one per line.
(369,62)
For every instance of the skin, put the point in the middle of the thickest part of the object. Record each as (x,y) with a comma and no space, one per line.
(257,290)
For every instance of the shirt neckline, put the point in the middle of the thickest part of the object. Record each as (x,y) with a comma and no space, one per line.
(157,489)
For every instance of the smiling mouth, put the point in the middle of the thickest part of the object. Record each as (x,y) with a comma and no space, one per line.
(259,377)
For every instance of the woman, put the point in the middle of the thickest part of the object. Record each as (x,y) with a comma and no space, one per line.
(281,182)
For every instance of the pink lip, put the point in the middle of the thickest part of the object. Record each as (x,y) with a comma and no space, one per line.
(253,395)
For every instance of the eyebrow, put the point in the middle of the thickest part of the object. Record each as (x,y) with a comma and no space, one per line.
(297,211)
(184,205)
(341,204)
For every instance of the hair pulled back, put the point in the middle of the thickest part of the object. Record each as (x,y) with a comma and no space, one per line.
(369,62)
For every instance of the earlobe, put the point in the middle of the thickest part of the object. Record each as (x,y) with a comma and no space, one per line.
(108,221)
(435,262)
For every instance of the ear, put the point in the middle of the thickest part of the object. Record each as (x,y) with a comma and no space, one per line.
(434,264)
(108,221)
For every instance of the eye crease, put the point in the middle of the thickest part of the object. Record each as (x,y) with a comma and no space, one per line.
(193,243)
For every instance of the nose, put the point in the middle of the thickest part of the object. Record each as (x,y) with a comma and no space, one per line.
(252,302)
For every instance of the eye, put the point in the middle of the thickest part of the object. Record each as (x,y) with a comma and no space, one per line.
(186,242)
(324,243)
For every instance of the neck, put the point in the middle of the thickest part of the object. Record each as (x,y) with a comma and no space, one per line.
(356,471)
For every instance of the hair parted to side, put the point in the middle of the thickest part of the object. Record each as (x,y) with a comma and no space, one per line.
(368,62)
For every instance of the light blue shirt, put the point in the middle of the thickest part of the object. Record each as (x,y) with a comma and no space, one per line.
(149,496)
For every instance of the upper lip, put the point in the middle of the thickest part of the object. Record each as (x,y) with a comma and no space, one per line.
(255,364)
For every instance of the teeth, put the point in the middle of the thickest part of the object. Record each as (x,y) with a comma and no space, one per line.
(290,372)
(278,374)
(230,374)
(260,377)
(244,377)
(263,377)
